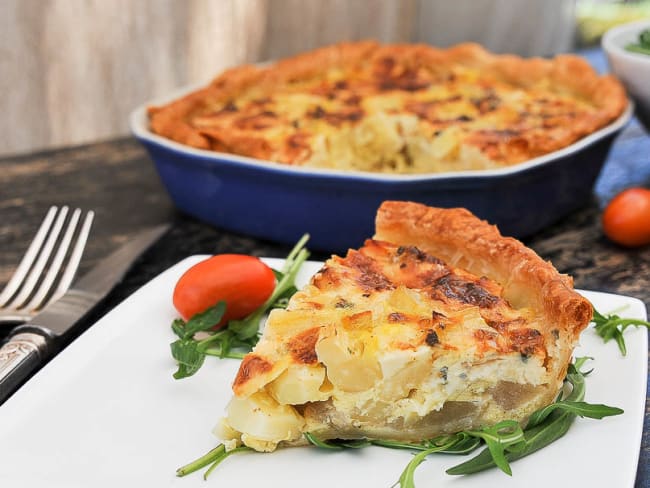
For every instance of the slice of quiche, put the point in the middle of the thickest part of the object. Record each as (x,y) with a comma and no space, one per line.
(436,325)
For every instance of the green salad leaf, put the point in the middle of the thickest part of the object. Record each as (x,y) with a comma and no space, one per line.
(612,326)
(546,425)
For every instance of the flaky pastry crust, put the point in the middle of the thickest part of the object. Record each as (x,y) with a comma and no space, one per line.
(463,240)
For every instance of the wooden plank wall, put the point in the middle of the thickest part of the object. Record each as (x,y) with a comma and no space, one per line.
(72,70)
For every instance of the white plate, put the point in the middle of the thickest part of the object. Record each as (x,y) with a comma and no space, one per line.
(107,412)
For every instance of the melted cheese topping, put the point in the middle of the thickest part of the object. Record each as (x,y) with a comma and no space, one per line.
(383,116)
(388,342)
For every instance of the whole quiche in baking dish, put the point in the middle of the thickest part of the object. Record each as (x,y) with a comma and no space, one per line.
(365,106)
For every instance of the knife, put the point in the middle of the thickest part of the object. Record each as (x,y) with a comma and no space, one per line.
(30,344)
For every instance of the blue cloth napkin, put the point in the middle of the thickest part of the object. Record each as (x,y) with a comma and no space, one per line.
(628,163)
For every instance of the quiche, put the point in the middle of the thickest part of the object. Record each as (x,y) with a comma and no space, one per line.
(370,107)
(436,325)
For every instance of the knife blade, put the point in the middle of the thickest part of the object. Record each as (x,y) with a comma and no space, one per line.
(31,343)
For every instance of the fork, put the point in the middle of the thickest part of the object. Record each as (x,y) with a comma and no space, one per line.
(43,277)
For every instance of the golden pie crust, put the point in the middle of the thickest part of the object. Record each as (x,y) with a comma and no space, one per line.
(396,108)
(437,324)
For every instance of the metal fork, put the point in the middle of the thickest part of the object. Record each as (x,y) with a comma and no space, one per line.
(43,277)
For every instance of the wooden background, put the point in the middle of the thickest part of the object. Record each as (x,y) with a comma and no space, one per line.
(72,70)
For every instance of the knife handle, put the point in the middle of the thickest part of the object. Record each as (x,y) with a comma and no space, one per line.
(19,357)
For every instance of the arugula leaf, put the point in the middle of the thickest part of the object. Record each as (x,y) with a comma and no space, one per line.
(188,356)
(543,428)
(407,478)
(200,322)
(355,443)
(534,440)
(322,444)
(205,320)
(336,444)
(578,363)
(221,458)
(222,343)
(213,458)
(463,444)
(178,326)
(203,461)
(581,409)
(283,300)
(612,327)
(503,437)
(459,443)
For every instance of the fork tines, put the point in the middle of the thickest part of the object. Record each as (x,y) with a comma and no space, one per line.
(50,262)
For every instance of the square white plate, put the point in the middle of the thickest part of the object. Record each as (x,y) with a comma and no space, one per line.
(106,412)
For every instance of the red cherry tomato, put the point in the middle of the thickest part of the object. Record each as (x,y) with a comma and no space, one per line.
(626,219)
(243,282)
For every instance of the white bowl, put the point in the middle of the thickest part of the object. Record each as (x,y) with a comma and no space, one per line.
(633,69)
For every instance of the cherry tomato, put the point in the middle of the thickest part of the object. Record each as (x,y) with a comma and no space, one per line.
(626,219)
(243,282)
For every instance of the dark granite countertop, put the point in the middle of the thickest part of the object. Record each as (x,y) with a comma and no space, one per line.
(118,181)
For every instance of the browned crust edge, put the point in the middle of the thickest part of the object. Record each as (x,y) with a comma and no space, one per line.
(567,72)
(464,240)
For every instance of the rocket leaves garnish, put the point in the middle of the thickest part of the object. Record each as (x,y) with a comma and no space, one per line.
(501,438)
(443,444)
(197,339)
(545,425)
(612,327)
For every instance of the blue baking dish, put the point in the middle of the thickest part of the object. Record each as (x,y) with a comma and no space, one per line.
(280,203)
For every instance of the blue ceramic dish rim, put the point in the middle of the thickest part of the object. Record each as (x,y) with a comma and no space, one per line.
(138,121)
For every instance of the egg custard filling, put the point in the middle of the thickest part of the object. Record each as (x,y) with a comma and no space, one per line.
(436,325)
